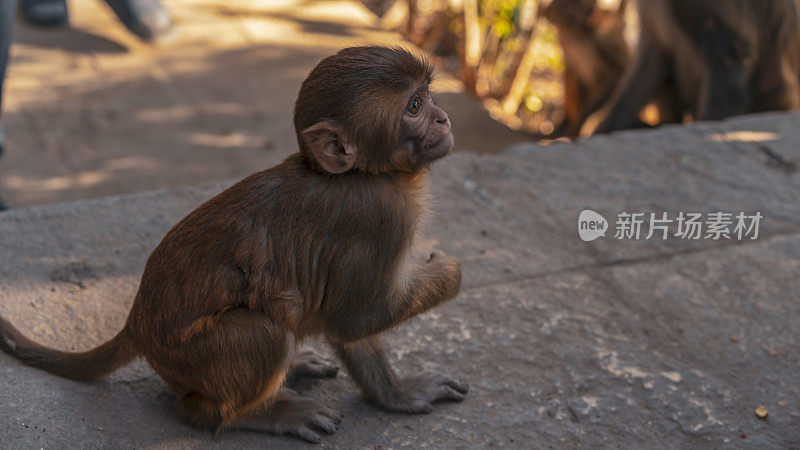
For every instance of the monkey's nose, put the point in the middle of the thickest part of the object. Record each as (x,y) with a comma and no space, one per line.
(442,119)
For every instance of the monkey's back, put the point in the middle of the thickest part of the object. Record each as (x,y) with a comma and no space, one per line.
(287,241)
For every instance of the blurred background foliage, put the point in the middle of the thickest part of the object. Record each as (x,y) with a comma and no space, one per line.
(505,51)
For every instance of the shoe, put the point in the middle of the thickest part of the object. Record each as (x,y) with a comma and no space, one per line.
(48,13)
(144,18)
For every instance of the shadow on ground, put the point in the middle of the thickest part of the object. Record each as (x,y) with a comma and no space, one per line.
(67,39)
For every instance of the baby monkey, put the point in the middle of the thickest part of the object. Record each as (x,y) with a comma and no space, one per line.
(320,245)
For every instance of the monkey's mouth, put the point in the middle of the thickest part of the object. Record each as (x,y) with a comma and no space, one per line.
(440,147)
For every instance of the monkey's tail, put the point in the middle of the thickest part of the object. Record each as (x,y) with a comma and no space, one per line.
(81,366)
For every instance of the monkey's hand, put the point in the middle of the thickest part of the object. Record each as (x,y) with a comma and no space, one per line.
(417,394)
(449,270)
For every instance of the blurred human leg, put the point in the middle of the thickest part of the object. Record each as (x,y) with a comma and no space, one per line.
(6,33)
(147,19)
(144,18)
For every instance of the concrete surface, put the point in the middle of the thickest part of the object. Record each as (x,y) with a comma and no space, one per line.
(90,111)
(621,344)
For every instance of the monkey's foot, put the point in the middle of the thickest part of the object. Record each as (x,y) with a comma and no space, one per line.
(418,393)
(309,363)
(295,415)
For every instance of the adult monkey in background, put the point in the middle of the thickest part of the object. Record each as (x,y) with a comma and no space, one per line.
(591,35)
(720,58)
(322,244)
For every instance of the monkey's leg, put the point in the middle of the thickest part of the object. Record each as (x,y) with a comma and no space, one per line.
(367,364)
(724,94)
(642,81)
(235,365)
(291,413)
(591,106)
(725,88)
(574,104)
(309,363)
(777,84)
(230,376)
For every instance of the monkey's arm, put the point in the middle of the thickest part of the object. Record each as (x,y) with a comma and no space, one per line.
(367,364)
(428,285)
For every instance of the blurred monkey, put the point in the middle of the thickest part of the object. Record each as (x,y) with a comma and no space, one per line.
(595,54)
(719,58)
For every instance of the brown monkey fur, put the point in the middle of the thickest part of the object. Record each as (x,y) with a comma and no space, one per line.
(322,244)
(719,57)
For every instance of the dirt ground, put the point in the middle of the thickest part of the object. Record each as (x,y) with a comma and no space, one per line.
(90,111)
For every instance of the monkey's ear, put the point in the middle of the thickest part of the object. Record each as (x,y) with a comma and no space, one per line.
(330,147)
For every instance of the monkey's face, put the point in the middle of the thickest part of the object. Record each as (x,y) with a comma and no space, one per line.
(426,130)
(368,109)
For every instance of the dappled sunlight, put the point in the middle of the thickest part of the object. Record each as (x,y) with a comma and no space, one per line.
(81,179)
(744,136)
(227,141)
(76,111)
(183,112)
(203,29)
(327,24)
(116,115)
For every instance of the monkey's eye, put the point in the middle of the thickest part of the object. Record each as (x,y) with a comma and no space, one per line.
(413,106)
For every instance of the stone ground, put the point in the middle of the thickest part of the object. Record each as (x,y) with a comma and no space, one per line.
(612,343)
(90,111)
(565,343)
